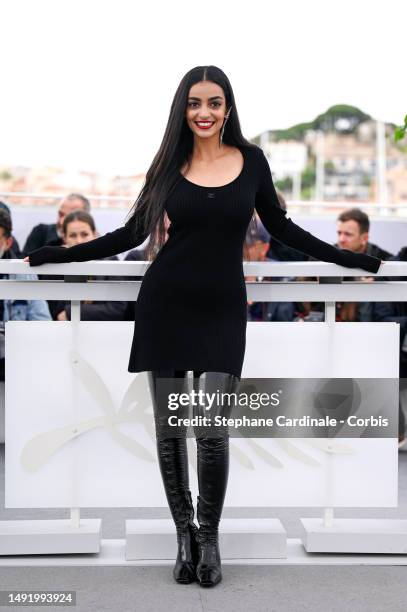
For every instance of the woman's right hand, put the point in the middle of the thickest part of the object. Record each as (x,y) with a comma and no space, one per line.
(47,254)
(351,259)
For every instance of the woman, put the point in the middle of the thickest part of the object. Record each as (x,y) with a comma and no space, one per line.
(191,309)
(79,227)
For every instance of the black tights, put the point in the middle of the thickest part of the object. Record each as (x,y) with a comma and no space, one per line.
(212,449)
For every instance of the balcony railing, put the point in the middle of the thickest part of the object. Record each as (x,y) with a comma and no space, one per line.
(328,287)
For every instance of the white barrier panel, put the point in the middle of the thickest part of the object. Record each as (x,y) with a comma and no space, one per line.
(80,432)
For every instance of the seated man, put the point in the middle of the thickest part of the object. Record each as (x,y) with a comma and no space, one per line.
(15,310)
(397,312)
(51,234)
(353,234)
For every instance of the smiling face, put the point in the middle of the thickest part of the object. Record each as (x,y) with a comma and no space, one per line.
(206,109)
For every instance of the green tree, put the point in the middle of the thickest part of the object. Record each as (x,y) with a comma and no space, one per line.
(285,184)
(308,177)
(400,131)
(340,117)
(343,115)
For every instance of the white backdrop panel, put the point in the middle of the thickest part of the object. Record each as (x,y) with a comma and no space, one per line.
(80,433)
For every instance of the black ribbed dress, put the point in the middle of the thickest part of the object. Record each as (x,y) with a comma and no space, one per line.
(191,308)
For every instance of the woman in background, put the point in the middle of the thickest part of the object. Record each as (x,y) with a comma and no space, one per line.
(79,227)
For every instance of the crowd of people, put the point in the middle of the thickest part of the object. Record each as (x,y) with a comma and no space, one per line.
(353,234)
(75,224)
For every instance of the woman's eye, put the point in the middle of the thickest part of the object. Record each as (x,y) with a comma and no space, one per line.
(213,103)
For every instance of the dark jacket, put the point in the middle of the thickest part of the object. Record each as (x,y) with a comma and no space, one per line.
(41,235)
(363,311)
(376,251)
(396,312)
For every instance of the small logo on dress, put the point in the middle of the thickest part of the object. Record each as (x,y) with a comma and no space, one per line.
(210,194)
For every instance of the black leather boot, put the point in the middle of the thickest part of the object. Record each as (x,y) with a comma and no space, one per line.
(213,471)
(187,556)
(173,462)
(213,468)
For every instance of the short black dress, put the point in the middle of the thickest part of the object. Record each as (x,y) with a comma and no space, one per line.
(191,311)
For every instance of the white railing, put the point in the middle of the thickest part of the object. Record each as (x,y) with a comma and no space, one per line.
(328,286)
(320,290)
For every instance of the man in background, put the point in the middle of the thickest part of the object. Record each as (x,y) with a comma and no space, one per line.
(51,234)
(353,234)
(15,309)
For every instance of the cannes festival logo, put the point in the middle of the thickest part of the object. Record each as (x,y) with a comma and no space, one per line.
(133,408)
(136,406)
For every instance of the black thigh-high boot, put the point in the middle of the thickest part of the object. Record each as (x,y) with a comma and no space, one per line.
(213,471)
(173,462)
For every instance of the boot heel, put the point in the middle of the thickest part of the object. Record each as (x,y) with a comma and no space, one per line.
(187,557)
(194,545)
(209,568)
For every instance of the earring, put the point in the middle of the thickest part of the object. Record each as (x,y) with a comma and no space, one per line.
(223,126)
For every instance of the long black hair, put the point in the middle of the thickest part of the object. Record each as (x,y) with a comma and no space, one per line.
(148,213)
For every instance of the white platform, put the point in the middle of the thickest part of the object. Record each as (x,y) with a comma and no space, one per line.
(38,537)
(364,535)
(238,539)
(112,553)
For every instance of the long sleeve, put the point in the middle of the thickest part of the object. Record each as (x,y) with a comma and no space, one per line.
(275,220)
(112,243)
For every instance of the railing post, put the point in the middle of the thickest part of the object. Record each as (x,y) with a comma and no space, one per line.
(330,317)
(328,517)
(330,311)
(75,319)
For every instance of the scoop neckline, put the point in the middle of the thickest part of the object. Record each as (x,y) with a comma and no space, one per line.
(219,186)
